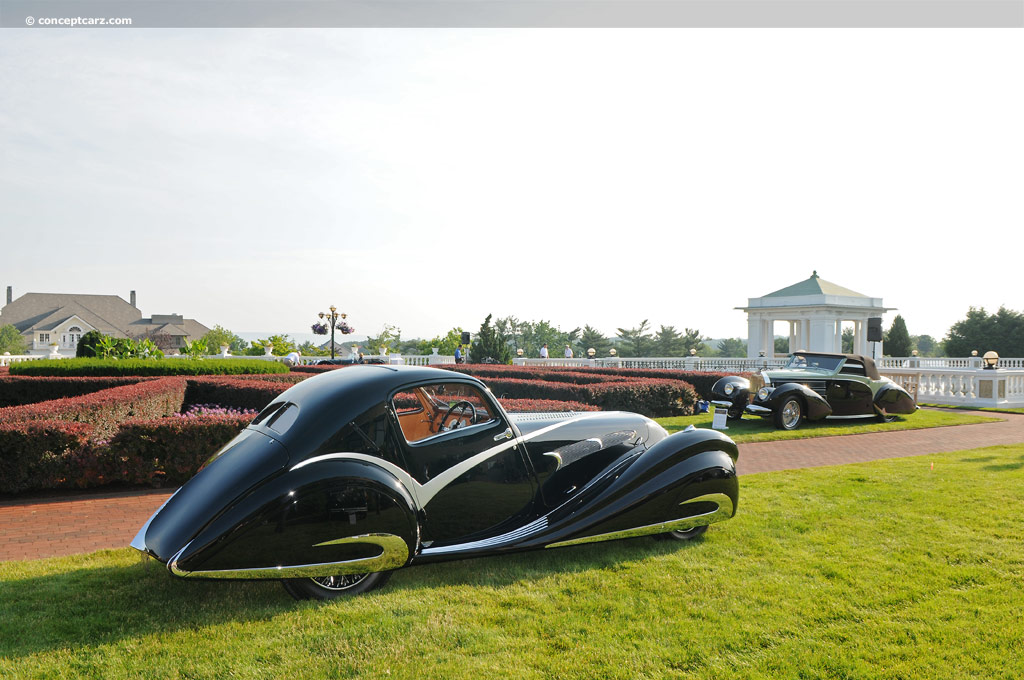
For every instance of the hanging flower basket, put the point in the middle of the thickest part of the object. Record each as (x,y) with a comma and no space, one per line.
(320,328)
(345,328)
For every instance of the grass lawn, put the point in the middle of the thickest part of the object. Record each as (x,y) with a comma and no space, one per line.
(754,429)
(905,569)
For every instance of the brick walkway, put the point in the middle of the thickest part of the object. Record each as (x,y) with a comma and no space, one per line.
(51,527)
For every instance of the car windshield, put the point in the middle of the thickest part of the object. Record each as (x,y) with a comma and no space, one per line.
(814,362)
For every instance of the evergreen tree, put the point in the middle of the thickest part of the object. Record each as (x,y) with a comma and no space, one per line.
(489,344)
(636,342)
(593,338)
(897,341)
(847,340)
(732,347)
(692,339)
(87,345)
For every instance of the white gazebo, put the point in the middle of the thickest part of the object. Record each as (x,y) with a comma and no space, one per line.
(815,310)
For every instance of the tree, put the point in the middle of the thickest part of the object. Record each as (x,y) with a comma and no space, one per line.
(692,339)
(88,343)
(591,338)
(309,349)
(1002,332)
(669,343)
(897,341)
(927,346)
(732,347)
(445,346)
(847,340)
(282,345)
(389,336)
(489,344)
(222,336)
(11,340)
(534,334)
(782,345)
(636,342)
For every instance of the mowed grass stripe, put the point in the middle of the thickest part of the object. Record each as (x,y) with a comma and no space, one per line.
(909,568)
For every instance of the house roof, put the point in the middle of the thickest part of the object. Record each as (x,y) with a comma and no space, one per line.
(44,311)
(109,314)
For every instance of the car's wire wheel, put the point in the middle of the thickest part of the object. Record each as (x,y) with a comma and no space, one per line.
(340,582)
(330,587)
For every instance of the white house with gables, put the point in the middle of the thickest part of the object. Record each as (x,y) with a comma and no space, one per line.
(815,310)
(47,318)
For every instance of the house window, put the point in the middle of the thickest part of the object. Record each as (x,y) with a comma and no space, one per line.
(74,335)
(44,337)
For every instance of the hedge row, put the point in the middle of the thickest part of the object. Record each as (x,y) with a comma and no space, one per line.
(107,409)
(701,381)
(40,454)
(246,393)
(18,390)
(55,455)
(149,367)
(544,406)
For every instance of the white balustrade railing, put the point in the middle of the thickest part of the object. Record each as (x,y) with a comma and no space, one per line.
(8,359)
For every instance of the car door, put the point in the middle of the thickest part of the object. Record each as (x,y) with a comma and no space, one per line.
(848,391)
(473,477)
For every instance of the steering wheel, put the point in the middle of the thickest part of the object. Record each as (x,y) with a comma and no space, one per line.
(463,405)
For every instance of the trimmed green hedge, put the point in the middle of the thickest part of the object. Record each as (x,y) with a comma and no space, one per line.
(146,367)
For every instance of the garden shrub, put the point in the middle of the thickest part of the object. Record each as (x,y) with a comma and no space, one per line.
(146,367)
(20,390)
(37,454)
(544,406)
(106,409)
(247,393)
(167,450)
(648,396)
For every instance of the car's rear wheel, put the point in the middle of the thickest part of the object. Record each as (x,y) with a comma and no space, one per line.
(687,535)
(735,413)
(331,587)
(790,414)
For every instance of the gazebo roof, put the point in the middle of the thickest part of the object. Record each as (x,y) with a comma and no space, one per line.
(815,285)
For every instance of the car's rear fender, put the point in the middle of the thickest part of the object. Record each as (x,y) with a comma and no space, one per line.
(335,516)
(894,399)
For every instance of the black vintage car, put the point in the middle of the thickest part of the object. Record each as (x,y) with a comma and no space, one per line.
(812,386)
(365,469)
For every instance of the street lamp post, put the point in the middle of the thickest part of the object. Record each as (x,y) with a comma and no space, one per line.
(332,321)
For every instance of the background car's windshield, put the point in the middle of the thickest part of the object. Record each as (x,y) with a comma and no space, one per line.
(814,362)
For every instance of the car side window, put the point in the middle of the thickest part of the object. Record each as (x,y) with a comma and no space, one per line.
(853,368)
(429,410)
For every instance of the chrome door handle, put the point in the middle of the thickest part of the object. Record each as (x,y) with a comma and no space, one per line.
(507,434)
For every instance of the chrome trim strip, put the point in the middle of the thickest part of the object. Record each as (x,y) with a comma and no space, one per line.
(394,554)
(424,493)
(724,511)
(520,533)
(754,408)
(722,404)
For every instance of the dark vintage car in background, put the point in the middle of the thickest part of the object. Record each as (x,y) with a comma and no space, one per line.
(812,386)
(359,471)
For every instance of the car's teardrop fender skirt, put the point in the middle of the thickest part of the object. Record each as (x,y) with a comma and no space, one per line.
(335,517)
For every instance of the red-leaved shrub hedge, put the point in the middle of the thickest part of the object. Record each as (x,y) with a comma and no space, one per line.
(544,406)
(38,454)
(107,409)
(21,390)
(247,393)
(167,450)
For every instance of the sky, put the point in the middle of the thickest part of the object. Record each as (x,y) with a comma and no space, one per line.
(426,178)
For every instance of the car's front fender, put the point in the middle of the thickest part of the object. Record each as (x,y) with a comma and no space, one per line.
(816,406)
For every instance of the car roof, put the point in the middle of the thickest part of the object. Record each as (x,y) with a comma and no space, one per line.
(869,364)
(338,396)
